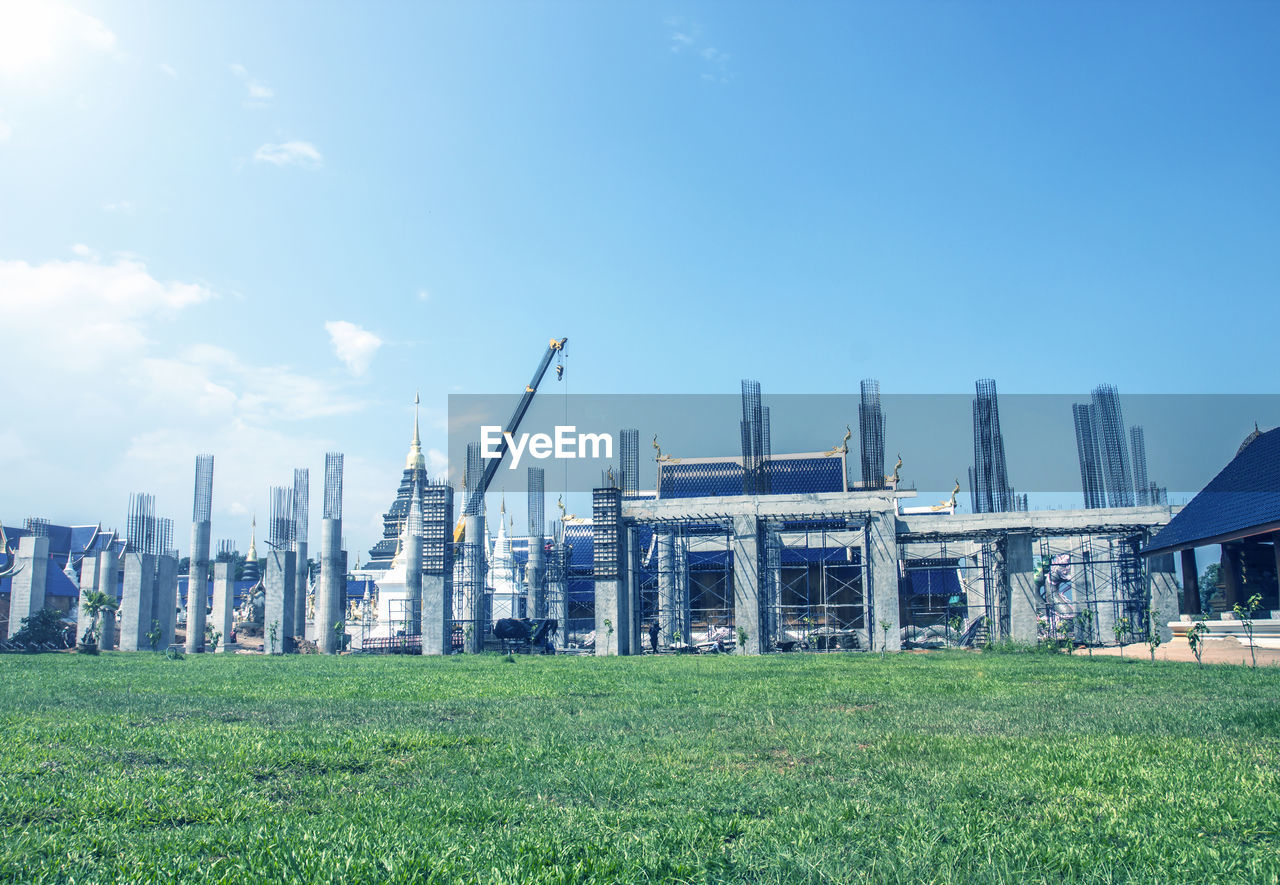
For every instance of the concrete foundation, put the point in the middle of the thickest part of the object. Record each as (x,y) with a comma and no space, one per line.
(1025,604)
(277,618)
(26,588)
(89,566)
(197,582)
(164,607)
(136,601)
(108,574)
(224,592)
(747,547)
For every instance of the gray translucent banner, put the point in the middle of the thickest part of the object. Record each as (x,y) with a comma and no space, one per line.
(1189,438)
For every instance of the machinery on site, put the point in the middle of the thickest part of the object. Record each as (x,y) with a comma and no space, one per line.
(555,350)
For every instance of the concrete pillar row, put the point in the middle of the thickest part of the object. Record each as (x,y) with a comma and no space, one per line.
(26,588)
(197,586)
(108,573)
(330,620)
(224,592)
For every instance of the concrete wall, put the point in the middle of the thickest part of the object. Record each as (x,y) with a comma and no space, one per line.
(1164,594)
(27,587)
(302,576)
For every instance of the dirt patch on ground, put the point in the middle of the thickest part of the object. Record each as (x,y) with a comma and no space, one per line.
(1227,650)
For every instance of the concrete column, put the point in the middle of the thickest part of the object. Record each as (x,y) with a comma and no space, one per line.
(280,583)
(609,606)
(136,601)
(882,570)
(108,573)
(26,588)
(534,577)
(668,604)
(1191,582)
(165,602)
(746,583)
(1231,574)
(89,566)
(302,577)
(329,589)
(413,577)
(197,586)
(475,572)
(224,594)
(1164,594)
(631,575)
(437,615)
(1025,604)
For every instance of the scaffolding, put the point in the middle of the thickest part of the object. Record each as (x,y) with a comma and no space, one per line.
(813,590)
(1093,588)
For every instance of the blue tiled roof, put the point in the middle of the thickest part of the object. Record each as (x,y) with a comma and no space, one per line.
(1244,495)
(787,475)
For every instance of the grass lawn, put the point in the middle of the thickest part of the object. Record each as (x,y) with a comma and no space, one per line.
(942,767)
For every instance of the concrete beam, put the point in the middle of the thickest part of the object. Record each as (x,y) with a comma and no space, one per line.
(27,587)
(224,591)
(746,584)
(281,581)
(762,506)
(137,600)
(1037,523)
(1025,604)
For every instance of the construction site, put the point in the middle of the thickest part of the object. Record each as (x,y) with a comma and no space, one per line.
(753,552)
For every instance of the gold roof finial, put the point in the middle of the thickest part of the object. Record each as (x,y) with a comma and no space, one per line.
(415,460)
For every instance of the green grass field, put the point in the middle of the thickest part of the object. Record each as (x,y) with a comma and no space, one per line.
(938,768)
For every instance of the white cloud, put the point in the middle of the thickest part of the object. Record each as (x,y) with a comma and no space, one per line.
(437,462)
(168,70)
(259,93)
(290,153)
(424,295)
(124,207)
(686,35)
(115,406)
(353,345)
(36,33)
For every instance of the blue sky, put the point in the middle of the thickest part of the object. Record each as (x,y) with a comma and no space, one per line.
(254,229)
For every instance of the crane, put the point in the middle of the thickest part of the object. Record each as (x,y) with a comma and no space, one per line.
(554,348)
